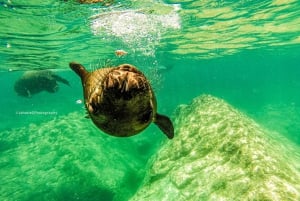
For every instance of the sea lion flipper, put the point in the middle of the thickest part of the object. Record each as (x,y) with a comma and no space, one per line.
(165,124)
(28,93)
(60,79)
(79,69)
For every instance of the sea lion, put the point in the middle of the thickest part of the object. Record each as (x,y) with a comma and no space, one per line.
(120,100)
(33,82)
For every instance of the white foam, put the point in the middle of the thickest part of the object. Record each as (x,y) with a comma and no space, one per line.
(139,30)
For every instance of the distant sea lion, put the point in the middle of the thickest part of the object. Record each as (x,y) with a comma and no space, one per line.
(120,100)
(33,82)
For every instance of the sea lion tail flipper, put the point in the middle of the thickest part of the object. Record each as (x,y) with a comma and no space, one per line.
(79,69)
(62,80)
(165,124)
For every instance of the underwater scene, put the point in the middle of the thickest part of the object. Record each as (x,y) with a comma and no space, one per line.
(150,100)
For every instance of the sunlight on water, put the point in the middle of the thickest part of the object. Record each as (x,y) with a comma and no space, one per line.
(46,31)
(139,30)
(214,29)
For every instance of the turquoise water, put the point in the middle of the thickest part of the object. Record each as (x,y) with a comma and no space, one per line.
(245,52)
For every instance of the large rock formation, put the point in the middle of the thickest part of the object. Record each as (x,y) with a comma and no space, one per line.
(69,159)
(220,154)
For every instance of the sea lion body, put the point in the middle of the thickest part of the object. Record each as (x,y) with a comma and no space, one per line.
(120,100)
(33,82)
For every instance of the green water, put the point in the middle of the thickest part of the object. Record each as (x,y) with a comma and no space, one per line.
(245,52)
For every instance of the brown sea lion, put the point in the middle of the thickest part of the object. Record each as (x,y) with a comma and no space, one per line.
(120,101)
(33,82)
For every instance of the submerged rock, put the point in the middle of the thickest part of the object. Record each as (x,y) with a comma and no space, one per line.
(221,154)
(63,160)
